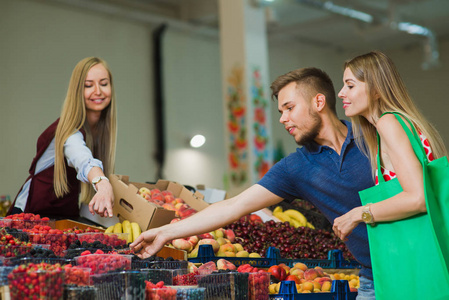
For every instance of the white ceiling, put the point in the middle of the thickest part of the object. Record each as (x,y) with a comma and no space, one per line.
(309,22)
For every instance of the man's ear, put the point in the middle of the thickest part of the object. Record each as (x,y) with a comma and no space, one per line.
(319,102)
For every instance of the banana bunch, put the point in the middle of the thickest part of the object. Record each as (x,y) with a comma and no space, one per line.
(132,228)
(292,216)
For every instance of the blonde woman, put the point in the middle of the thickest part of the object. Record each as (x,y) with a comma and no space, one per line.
(77,152)
(373,87)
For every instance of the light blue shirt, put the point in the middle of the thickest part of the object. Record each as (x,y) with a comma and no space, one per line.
(78,156)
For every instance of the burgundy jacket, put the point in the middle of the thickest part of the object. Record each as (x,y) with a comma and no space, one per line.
(42,198)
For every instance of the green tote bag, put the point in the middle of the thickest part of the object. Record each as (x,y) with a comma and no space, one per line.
(410,257)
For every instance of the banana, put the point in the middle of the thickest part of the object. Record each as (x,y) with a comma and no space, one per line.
(308,224)
(118,228)
(277,209)
(295,223)
(136,230)
(282,216)
(110,229)
(126,226)
(293,213)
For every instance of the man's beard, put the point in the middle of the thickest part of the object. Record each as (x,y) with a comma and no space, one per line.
(309,137)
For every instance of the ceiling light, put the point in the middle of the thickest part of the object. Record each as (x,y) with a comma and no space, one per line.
(197,141)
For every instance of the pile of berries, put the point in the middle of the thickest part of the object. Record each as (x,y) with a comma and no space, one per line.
(158,291)
(36,281)
(26,220)
(56,238)
(101,263)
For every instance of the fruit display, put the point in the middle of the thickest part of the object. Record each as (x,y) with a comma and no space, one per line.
(293,243)
(131,229)
(229,267)
(103,263)
(25,221)
(167,200)
(308,280)
(58,240)
(221,240)
(115,240)
(36,281)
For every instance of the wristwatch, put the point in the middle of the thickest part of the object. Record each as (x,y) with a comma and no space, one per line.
(367,216)
(97,180)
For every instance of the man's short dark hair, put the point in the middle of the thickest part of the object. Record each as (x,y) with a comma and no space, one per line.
(309,81)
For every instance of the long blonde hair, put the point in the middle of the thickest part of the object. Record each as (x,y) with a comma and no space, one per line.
(383,80)
(73,118)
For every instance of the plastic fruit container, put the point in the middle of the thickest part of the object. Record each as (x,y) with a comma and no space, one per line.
(138,264)
(115,240)
(164,293)
(14,250)
(120,285)
(5,222)
(75,292)
(258,284)
(4,272)
(189,293)
(59,242)
(104,263)
(47,284)
(156,275)
(76,275)
(224,285)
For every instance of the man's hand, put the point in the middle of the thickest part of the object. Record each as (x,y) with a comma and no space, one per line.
(103,201)
(149,243)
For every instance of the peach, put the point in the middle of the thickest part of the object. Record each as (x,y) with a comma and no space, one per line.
(307,286)
(326,286)
(222,241)
(179,200)
(220,253)
(293,278)
(193,253)
(219,233)
(242,253)
(321,280)
(320,271)
(191,267)
(206,236)
(238,247)
(301,266)
(193,240)
(223,264)
(227,248)
(213,242)
(297,272)
(230,235)
(316,285)
(310,274)
(230,254)
(182,244)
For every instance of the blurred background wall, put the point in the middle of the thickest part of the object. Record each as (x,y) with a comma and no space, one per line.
(41,41)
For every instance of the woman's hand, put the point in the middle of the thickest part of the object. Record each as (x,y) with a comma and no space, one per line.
(149,242)
(103,200)
(345,224)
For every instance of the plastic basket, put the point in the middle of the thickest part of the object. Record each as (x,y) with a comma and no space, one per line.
(232,285)
(339,291)
(206,254)
(120,285)
(104,263)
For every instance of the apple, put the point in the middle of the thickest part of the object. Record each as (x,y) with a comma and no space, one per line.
(193,240)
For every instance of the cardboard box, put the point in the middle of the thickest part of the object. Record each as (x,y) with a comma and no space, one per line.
(131,206)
